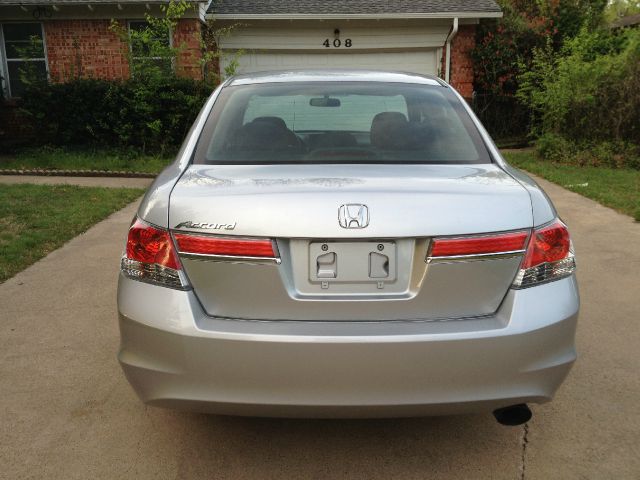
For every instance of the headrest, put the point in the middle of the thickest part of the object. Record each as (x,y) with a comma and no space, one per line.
(263,135)
(388,130)
(273,120)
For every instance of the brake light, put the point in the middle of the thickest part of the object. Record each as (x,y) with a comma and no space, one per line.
(227,247)
(481,245)
(151,256)
(549,256)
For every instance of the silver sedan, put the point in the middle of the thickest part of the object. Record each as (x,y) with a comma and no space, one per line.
(345,244)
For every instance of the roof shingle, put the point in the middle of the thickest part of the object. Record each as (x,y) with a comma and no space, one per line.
(84,2)
(351,7)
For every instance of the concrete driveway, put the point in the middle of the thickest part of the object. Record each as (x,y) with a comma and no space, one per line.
(67,412)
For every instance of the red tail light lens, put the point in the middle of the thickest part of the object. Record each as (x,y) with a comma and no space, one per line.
(148,244)
(549,256)
(501,243)
(548,244)
(206,245)
(151,257)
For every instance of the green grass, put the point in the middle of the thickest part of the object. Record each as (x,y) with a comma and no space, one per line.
(615,188)
(69,159)
(37,219)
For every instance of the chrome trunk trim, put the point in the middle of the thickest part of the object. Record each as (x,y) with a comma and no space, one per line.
(230,258)
(475,257)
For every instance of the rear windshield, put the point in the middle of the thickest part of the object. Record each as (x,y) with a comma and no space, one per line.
(339,122)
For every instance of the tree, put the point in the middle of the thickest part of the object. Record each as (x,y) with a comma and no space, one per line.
(504,47)
(213,56)
(150,53)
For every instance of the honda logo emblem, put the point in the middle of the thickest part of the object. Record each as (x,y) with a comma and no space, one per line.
(353,215)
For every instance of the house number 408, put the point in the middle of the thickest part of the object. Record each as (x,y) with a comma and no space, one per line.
(337,43)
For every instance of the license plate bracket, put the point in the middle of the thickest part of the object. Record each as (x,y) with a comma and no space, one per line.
(352,262)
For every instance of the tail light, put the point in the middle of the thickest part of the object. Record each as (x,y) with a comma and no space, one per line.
(151,256)
(250,249)
(549,256)
(548,253)
(481,245)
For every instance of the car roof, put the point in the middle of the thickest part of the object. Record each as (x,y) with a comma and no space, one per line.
(333,75)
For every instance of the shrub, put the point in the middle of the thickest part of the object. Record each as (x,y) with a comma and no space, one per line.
(504,51)
(149,51)
(149,112)
(504,46)
(590,92)
(612,154)
(147,115)
(586,99)
(554,148)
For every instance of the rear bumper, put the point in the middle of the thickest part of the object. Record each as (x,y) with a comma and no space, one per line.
(174,355)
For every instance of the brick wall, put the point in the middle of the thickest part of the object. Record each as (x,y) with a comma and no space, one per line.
(461,63)
(89,49)
(187,36)
(84,48)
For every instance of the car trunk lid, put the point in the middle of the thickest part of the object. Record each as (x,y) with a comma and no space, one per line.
(329,272)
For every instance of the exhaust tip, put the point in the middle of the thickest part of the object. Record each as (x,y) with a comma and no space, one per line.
(513,415)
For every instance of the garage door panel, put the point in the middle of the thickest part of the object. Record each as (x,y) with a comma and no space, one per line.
(424,62)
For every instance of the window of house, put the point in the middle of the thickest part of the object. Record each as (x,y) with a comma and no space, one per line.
(151,48)
(23,51)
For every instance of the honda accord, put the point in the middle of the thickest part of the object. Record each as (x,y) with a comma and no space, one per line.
(345,244)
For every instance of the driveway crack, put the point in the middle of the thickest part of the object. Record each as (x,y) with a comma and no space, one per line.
(525,442)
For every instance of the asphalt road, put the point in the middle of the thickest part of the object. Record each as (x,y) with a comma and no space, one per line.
(66,411)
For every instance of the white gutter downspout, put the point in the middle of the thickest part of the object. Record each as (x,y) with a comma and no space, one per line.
(447,62)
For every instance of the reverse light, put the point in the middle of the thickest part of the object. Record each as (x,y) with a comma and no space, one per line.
(151,256)
(549,256)
(226,247)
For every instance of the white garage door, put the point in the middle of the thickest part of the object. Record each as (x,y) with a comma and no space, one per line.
(423,62)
